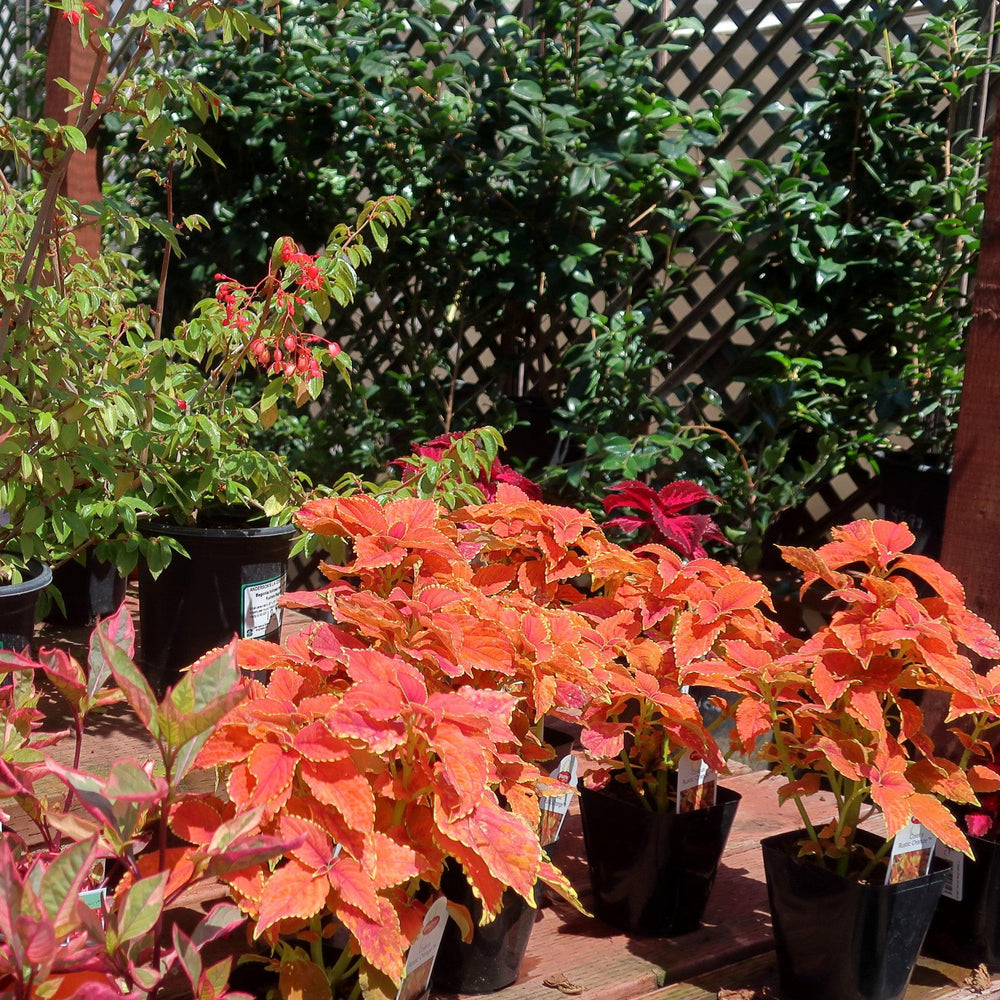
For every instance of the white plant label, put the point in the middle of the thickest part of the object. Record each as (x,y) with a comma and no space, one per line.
(696,784)
(912,851)
(420,960)
(553,803)
(954,886)
(261,614)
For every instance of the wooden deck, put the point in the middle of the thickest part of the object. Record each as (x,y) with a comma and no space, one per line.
(729,958)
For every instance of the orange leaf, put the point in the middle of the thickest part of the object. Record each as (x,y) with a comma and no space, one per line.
(395,863)
(301,979)
(273,770)
(315,849)
(293,890)
(354,885)
(195,818)
(379,940)
(891,792)
(338,784)
(929,811)
(984,779)
(504,842)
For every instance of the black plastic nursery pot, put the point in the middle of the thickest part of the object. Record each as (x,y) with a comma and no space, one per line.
(966,930)
(916,494)
(228,584)
(492,960)
(837,939)
(90,590)
(652,873)
(18,603)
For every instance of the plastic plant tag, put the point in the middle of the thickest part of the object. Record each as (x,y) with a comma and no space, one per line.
(912,851)
(696,784)
(954,886)
(93,899)
(420,959)
(553,802)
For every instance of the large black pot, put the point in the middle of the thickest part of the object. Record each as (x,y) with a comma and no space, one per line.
(966,930)
(652,873)
(90,590)
(17,608)
(837,939)
(228,585)
(492,960)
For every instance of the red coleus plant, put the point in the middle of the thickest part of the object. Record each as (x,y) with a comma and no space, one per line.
(840,706)
(348,750)
(659,515)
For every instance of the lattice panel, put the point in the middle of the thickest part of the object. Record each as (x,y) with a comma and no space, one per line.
(760,46)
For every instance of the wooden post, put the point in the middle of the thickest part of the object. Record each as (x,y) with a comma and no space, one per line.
(74,62)
(971,546)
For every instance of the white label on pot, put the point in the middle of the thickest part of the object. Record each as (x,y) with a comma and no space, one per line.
(553,802)
(261,614)
(954,886)
(912,850)
(696,783)
(423,951)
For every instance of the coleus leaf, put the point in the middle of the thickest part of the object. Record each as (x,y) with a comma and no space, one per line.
(380,940)
(293,890)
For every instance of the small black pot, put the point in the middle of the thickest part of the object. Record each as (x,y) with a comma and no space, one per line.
(492,960)
(228,585)
(652,873)
(966,931)
(90,590)
(18,602)
(837,939)
(916,494)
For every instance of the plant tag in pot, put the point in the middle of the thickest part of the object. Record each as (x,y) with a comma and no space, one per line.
(423,951)
(954,886)
(696,783)
(912,851)
(553,802)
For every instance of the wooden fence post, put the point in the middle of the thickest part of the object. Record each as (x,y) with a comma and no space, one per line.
(74,62)
(971,547)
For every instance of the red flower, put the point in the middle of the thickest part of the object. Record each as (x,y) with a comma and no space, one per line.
(660,514)
(978,824)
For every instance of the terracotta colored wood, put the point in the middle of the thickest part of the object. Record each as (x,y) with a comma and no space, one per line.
(69,59)
(970,547)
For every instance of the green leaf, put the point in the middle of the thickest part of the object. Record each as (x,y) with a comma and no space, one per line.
(139,911)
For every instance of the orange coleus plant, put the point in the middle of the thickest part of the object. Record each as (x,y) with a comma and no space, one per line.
(379,779)
(535,600)
(841,707)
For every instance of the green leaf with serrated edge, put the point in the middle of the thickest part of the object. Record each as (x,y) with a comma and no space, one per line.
(141,907)
(120,632)
(134,686)
(62,882)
